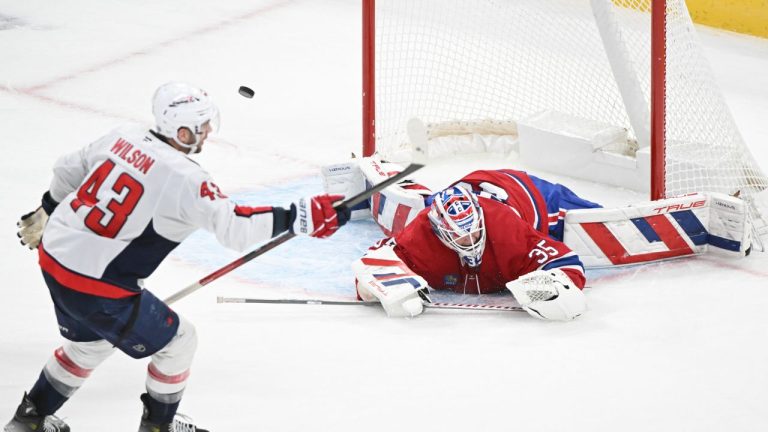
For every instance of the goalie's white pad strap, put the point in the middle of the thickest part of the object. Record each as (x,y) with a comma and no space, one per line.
(381,276)
(396,206)
(548,295)
(659,230)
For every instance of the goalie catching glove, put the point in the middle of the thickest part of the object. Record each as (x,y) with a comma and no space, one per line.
(549,295)
(381,276)
(316,216)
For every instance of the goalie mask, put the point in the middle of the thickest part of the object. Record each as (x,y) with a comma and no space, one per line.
(179,105)
(457,220)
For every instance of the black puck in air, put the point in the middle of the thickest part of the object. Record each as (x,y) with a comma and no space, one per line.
(245,92)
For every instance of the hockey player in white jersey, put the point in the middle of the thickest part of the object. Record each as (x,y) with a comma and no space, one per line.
(115,209)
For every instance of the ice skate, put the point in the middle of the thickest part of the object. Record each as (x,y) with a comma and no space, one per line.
(180,423)
(27,419)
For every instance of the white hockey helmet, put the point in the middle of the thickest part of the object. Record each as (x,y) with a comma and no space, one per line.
(457,220)
(178,105)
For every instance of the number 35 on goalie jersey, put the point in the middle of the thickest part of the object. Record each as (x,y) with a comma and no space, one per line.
(128,199)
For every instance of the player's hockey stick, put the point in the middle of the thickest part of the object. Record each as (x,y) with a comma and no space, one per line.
(418,135)
(434,305)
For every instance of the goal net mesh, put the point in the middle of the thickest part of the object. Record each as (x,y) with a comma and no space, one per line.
(454,62)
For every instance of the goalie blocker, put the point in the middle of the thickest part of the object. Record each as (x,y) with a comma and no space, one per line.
(381,276)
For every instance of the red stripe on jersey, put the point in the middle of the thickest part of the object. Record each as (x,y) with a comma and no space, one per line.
(158,376)
(615,252)
(80,283)
(63,359)
(246,211)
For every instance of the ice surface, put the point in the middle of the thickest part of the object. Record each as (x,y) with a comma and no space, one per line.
(667,347)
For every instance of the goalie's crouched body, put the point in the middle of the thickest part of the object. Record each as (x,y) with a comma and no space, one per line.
(505,229)
(490,231)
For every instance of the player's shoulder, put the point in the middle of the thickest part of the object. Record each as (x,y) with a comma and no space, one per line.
(496,176)
(131,132)
(125,137)
(497,212)
(177,164)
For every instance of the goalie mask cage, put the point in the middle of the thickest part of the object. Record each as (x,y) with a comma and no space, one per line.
(483,65)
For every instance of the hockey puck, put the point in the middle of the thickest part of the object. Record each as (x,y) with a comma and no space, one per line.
(245,92)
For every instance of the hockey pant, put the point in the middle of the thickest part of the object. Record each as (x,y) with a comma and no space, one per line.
(559,200)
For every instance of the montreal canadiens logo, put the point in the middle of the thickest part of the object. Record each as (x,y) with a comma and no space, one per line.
(461,211)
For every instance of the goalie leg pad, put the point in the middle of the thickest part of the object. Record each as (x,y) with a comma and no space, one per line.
(659,230)
(382,276)
(549,295)
(396,206)
(346,179)
(393,208)
(730,228)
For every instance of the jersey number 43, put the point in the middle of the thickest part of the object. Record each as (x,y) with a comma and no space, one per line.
(119,210)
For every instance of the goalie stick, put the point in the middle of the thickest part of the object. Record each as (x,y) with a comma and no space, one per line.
(434,305)
(417,133)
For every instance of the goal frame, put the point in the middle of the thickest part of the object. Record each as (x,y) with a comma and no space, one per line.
(657,97)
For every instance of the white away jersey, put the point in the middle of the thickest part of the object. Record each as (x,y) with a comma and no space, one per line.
(126,201)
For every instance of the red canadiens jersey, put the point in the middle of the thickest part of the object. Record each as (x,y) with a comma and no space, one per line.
(513,188)
(517,240)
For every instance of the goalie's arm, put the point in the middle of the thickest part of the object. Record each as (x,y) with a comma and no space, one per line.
(380,275)
(530,250)
(552,279)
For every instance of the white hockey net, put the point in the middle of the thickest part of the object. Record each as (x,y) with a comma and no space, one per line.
(463,63)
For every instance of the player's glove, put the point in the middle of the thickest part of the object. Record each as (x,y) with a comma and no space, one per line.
(549,295)
(31,227)
(316,217)
(32,224)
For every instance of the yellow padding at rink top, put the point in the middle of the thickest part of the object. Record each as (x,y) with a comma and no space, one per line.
(743,16)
